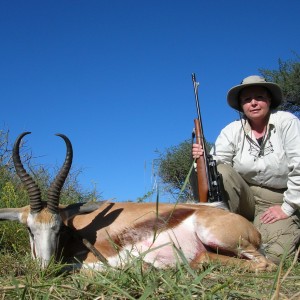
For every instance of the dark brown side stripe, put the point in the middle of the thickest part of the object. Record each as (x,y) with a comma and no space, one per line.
(162,222)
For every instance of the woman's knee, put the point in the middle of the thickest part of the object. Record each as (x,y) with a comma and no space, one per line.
(228,174)
(277,250)
(236,192)
(224,168)
(279,239)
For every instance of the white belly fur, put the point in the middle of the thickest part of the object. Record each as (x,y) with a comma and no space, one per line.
(160,249)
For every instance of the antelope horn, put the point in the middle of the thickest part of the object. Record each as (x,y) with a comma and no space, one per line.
(57,184)
(32,188)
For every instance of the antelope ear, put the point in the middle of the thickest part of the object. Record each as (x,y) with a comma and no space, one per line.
(11,214)
(81,208)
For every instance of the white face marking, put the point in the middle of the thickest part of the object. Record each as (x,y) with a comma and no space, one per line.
(43,237)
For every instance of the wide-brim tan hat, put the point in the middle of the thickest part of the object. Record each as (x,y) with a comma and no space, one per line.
(274,89)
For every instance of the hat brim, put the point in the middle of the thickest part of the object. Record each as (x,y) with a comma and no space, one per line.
(274,89)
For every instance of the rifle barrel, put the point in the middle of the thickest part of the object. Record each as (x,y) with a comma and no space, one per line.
(207,173)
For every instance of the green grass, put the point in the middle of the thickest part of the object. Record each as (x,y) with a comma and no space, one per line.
(21,278)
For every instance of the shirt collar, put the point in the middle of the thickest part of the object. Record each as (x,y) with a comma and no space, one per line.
(247,127)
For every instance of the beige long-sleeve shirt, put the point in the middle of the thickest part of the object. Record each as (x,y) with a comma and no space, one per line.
(274,164)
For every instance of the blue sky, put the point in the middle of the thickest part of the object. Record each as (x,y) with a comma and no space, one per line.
(115,76)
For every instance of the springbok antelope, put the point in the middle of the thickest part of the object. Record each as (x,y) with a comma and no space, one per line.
(112,233)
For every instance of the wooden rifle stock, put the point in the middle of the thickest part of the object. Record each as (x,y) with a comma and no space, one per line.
(201,166)
(209,187)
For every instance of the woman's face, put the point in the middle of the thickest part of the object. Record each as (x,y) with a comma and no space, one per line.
(255,102)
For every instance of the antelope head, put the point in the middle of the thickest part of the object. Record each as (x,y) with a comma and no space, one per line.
(42,218)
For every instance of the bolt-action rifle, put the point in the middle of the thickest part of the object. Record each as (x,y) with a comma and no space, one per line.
(208,177)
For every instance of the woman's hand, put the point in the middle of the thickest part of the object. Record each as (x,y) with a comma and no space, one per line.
(197,150)
(273,214)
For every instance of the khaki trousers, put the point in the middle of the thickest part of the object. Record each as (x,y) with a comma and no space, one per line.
(251,201)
